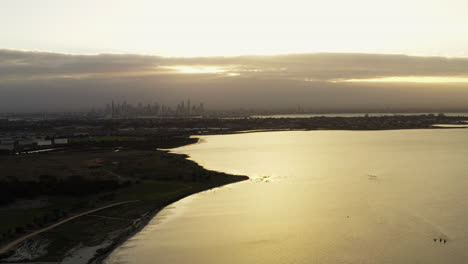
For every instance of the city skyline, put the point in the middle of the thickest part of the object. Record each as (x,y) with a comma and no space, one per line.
(325,56)
(41,81)
(124,109)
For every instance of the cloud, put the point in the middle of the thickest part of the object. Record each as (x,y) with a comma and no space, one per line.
(52,81)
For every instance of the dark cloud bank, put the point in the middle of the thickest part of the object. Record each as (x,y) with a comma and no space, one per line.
(31,81)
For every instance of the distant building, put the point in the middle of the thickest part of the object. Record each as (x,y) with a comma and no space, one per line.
(81,134)
(61,141)
(26,142)
(7,141)
(8,147)
(113,110)
(44,142)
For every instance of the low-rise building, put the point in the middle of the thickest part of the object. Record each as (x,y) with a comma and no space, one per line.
(61,141)
(7,141)
(26,142)
(44,142)
(8,147)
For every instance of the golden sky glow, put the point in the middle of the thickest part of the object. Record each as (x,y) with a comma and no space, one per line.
(165,48)
(196,69)
(187,28)
(413,79)
(201,70)
(318,80)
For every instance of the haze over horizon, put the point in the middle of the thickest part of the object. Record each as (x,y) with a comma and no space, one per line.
(40,81)
(334,55)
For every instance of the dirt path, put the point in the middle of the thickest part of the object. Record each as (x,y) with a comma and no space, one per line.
(12,244)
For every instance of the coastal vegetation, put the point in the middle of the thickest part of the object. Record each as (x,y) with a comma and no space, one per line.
(38,190)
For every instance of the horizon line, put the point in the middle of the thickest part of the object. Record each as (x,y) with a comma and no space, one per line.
(228,56)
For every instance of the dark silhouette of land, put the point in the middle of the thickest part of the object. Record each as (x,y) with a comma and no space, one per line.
(56,170)
(63,187)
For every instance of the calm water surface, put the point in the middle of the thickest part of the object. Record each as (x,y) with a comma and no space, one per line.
(319,197)
(352,115)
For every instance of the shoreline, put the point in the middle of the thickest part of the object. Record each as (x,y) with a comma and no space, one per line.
(125,236)
(128,232)
(117,237)
(144,220)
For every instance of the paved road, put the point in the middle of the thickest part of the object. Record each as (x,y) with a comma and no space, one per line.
(14,243)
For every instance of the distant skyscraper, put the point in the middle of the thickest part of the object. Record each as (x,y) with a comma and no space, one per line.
(127,110)
(188,107)
(113,109)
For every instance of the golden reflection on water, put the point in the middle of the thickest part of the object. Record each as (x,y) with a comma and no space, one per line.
(319,197)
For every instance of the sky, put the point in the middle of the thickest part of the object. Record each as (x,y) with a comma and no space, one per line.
(41,81)
(322,55)
(241,27)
